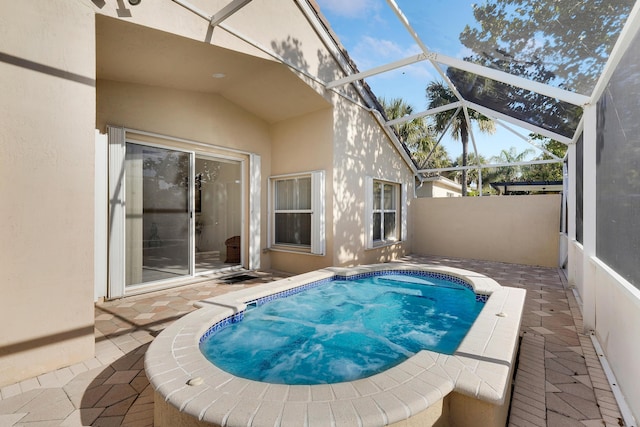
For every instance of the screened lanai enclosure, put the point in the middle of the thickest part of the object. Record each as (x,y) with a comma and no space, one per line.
(551,70)
(529,66)
(559,71)
(160,143)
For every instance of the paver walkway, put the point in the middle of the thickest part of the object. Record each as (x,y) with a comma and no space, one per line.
(559,380)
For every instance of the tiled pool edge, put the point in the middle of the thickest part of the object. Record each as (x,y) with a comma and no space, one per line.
(481,368)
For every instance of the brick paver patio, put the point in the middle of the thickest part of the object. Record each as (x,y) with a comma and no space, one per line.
(559,380)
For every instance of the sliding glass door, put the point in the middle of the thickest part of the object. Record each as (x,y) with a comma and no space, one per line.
(183,214)
(218,213)
(157,214)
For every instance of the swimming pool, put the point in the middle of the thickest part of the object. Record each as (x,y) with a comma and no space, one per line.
(346,328)
(450,389)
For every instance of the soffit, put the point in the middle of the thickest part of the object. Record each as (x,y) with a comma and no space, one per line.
(137,54)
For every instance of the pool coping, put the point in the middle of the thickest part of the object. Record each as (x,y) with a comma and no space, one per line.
(480,368)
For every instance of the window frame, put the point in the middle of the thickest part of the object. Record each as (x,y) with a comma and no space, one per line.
(317,198)
(399,198)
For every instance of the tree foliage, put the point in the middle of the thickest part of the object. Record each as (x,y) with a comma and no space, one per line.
(561,43)
(409,132)
(438,94)
(417,136)
(510,173)
(549,171)
(471,175)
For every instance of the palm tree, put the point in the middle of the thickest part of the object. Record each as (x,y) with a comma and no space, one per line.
(410,131)
(438,94)
(432,156)
(472,174)
(510,173)
(415,135)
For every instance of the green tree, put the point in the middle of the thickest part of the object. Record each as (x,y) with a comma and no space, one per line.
(416,135)
(472,175)
(563,44)
(548,171)
(409,132)
(572,39)
(438,94)
(432,156)
(510,173)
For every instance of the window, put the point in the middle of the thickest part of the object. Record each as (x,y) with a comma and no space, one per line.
(298,212)
(384,217)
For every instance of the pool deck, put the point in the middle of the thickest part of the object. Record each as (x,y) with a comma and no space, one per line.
(559,379)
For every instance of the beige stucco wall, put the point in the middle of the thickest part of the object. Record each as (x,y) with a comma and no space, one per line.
(362,149)
(60,84)
(301,145)
(515,229)
(195,116)
(445,192)
(437,189)
(199,117)
(155,14)
(613,306)
(47,110)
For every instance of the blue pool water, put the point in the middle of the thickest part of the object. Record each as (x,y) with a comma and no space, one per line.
(344,330)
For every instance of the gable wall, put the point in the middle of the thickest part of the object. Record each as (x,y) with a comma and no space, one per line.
(362,149)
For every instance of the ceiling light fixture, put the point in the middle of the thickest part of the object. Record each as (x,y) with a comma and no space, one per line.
(218,75)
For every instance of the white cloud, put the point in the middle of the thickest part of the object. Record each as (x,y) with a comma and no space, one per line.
(371,51)
(348,8)
(370,47)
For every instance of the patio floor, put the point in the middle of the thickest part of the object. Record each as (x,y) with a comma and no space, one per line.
(559,379)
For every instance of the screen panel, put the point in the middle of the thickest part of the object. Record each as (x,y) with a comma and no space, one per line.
(618,169)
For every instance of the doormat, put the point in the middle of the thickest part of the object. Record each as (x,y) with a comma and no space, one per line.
(237,279)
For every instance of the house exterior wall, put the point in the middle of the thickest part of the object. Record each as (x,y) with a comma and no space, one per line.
(515,229)
(425,190)
(55,109)
(575,266)
(301,145)
(47,111)
(439,192)
(199,117)
(361,150)
(437,189)
(187,24)
(285,33)
(616,308)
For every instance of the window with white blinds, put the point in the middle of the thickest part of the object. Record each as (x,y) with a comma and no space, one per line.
(298,212)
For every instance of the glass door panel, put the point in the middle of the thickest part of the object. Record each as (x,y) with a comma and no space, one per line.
(218,213)
(157,214)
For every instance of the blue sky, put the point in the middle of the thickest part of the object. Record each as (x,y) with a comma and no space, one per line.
(373,35)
